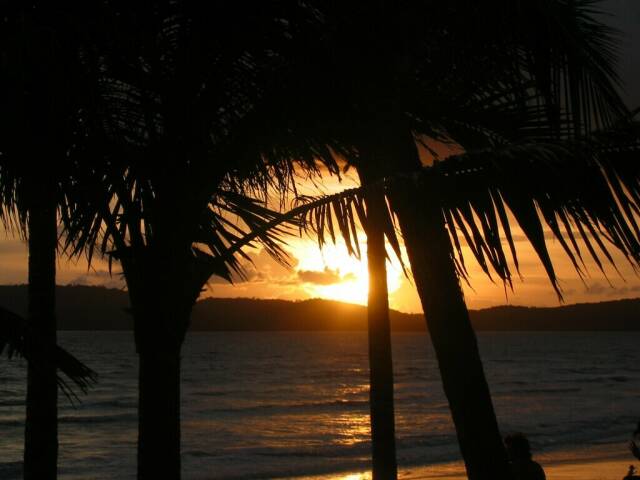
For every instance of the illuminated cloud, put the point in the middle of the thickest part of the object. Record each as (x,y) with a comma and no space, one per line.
(99,278)
(324,277)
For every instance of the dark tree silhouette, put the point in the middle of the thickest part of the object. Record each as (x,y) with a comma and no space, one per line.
(516,86)
(171,171)
(383,447)
(598,212)
(200,105)
(40,98)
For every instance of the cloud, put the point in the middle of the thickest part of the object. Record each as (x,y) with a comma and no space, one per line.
(99,278)
(13,247)
(324,277)
(600,289)
(258,268)
(249,274)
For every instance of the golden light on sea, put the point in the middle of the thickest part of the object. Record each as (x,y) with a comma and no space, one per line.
(356,476)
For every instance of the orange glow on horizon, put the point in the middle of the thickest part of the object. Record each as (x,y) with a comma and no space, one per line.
(333,274)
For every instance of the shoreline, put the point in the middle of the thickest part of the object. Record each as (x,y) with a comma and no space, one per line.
(577,464)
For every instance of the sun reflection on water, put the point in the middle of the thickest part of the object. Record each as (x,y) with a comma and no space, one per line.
(345,391)
(356,476)
(352,428)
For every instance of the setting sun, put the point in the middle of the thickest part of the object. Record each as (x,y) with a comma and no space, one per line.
(347,277)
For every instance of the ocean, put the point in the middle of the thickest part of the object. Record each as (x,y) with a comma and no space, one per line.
(278,405)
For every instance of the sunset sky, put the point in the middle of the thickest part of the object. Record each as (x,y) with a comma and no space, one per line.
(331,273)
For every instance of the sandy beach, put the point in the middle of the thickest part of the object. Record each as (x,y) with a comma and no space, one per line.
(587,464)
(602,469)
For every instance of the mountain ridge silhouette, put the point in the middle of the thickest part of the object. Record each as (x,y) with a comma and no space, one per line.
(100,308)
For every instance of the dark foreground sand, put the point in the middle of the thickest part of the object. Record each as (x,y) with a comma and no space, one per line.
(589,470)
(610,463)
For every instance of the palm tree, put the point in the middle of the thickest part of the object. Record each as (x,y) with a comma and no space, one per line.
(172,166)
(39,67)
(37,194)
(168,214)
(434,268)
(488,76)
(383,448)
(588,195)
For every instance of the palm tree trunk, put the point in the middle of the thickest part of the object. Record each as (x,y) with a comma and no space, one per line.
(430,255)
(159,410)
(161,299)
(41,427)
(455,343)
(383,441)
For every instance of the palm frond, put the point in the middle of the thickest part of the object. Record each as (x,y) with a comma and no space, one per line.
(583,192)
(311,215)
(13,334)
(328,218)
(587,193)
(509,72)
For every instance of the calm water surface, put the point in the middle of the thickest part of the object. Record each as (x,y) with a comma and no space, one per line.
(268,405)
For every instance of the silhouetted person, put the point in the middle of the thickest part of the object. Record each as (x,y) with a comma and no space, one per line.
(634,444)
(519,452)
(631,473)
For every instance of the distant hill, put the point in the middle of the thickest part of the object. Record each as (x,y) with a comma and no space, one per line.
(79,307)
(99,308)
(613,315)
(316,314)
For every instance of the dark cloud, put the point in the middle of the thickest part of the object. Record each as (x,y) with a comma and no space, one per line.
(99,277)
(324,277)
(249,274)
(260,267)
(598,289)
(606,290)
(520,237)
(13,247)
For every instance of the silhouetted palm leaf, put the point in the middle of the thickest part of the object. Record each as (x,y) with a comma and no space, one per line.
(13,332)
(587,193)
(581,192)
(149,96)
(502,86)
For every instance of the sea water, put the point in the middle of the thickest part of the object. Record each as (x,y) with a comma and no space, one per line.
(271,405)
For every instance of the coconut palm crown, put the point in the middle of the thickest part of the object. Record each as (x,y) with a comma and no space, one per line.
(189,121)
(515,90)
